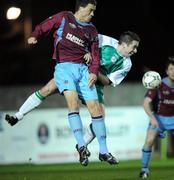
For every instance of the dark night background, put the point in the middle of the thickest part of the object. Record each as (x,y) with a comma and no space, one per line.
(152,20)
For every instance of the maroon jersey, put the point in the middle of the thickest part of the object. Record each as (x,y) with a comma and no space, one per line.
(72,39)
(163,98)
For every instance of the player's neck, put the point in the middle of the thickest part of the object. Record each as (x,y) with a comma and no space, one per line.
(78,17)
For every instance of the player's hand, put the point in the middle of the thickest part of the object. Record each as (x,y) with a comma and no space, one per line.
(92,79)
(87,57)
(32,40)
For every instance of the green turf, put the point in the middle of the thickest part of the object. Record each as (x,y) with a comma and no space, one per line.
(126,170)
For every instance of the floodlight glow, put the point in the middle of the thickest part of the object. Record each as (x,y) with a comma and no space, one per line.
(13,13)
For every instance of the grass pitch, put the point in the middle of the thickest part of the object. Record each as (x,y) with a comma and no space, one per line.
(126,170)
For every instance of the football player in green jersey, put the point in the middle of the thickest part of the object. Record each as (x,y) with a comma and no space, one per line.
(115,59)
(115,64)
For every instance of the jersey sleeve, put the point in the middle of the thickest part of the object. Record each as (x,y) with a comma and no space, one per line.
(95,64)
(106,40)
(47,25)
(151,93)
(117,76)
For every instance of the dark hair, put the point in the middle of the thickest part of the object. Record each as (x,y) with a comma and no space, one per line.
(170,61)
(84,3)
(128,36)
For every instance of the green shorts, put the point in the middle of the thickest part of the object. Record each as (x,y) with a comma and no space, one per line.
(100,93)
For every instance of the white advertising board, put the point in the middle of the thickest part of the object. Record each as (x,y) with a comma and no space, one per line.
(44,136)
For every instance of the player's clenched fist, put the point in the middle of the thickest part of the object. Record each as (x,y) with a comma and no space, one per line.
(32,40)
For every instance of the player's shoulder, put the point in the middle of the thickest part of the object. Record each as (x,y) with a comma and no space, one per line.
(150,93)
(107,40)
(69,13)
(105,37)
(165,83)
(164,80)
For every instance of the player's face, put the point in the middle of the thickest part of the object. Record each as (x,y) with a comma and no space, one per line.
(130,49)
(170,72)
(86,13)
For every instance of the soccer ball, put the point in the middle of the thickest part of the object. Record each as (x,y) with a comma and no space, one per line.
(151,80)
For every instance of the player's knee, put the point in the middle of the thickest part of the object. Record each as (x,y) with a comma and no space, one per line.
(149,142)
(46,91)
(154,127)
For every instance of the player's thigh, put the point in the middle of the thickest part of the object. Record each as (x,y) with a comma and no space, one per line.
(49,88)
(84,91)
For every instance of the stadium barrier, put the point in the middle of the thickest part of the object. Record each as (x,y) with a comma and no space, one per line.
(44,136)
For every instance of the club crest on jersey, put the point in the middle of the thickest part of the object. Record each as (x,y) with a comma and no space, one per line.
(86,35)
(113,59)
(73,26)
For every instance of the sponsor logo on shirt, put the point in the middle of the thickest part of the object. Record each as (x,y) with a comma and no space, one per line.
(75,39)
(168,101)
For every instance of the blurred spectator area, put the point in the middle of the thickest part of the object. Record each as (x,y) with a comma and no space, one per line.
(23,65)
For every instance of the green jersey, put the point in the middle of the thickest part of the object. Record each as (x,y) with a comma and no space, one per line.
(113,65)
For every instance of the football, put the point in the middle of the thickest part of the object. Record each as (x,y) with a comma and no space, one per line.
(151,80)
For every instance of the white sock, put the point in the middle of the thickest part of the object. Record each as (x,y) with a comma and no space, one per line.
(89,136)
(31,103)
